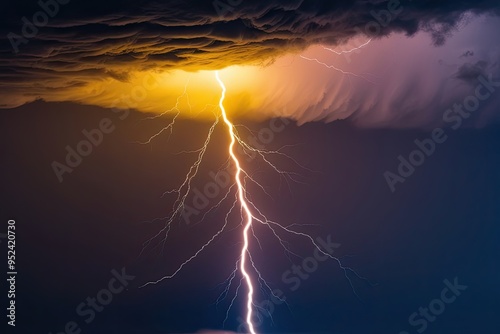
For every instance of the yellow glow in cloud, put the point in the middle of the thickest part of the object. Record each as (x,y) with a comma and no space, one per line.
(195,94)
(286,88)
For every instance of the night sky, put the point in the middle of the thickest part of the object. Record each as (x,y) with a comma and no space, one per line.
(379,123)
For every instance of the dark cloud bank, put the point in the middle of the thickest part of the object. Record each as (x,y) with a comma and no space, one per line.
(96,38)
(77,43)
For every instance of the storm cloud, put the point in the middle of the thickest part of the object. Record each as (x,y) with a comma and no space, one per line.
(88,38)
(50,46)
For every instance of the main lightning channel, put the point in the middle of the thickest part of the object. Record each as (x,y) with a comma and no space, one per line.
(244,206)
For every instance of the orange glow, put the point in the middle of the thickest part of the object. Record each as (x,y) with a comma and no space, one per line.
(286,88)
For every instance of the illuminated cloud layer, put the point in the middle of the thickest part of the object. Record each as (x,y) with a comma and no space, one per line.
(88,47)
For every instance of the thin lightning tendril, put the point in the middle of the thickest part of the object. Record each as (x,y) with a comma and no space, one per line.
(337,69)
(339,53)
(350,50)
(175,108)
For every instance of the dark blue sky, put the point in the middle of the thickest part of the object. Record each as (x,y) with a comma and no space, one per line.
(441,224)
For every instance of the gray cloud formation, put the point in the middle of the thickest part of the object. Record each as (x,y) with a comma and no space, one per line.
(104,38)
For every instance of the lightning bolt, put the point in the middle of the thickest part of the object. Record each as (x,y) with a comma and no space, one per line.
(250,214)
(244,206)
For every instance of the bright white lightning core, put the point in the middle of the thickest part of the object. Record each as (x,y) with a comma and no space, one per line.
(249,211)
(244,206)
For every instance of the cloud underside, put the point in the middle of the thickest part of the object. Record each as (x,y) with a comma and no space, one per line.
(90,40)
